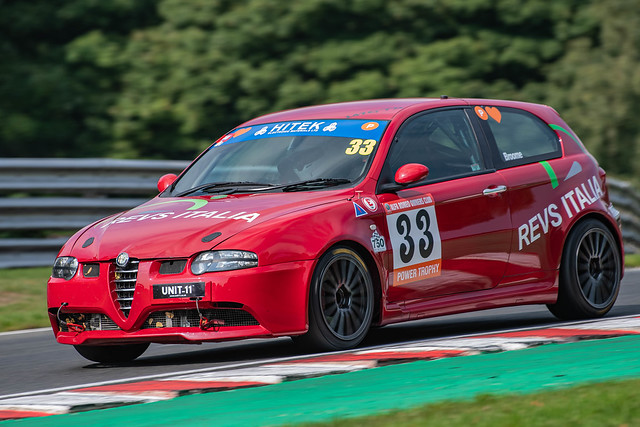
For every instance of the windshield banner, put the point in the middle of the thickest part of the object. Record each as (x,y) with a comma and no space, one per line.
(365,129)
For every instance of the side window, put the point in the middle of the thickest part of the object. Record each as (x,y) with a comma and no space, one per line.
(521,138)
(441,140)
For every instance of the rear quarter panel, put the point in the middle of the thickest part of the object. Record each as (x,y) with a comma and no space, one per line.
(548,200)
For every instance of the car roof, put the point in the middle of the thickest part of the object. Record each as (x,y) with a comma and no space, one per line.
(378,109)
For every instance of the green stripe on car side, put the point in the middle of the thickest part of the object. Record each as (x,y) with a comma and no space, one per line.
(561,129)
(551,173)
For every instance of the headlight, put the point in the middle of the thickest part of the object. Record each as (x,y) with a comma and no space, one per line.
(223,261)
(65,267)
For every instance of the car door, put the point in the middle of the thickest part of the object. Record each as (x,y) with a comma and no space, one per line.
(528,154)
(450,233)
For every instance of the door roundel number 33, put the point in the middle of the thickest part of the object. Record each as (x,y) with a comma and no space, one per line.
(415,239)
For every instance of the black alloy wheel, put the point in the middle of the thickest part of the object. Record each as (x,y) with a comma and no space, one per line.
(590,272)
(340,302)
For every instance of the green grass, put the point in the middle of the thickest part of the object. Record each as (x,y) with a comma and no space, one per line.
(605,404)
(23,298)
(632,260)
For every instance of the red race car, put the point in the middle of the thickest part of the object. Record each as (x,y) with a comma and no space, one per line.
(319,222)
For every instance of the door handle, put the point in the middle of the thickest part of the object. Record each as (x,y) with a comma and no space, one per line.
(494,190)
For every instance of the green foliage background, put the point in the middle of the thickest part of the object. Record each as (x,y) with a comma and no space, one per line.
(163,78)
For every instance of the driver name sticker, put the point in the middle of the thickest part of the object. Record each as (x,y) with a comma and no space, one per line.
(415,239)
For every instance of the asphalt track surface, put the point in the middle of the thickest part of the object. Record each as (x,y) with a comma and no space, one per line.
(33,361)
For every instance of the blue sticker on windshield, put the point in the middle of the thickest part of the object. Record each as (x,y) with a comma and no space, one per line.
(366,129)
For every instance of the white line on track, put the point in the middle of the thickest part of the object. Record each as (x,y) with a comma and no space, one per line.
(305,356)
(24,331)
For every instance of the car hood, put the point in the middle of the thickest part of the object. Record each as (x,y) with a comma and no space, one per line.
(180,227)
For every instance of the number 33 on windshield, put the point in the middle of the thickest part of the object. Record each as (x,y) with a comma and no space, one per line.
(364,148)
(415,239)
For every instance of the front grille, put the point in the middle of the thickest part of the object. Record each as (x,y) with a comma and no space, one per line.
(90,322)
(190,318)
(124,280)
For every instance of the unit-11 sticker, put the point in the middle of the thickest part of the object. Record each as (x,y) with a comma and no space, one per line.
(415,239)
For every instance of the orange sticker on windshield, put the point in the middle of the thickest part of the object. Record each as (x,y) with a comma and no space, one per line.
(370,126)
(241,132)
(481,113)
(494,113)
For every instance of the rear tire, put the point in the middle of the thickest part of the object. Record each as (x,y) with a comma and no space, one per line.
(341,302)
(111,353)
(589,273)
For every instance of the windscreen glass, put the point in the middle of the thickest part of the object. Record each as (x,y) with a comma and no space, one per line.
(279,154)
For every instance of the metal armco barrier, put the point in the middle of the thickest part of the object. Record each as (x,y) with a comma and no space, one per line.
(626,199)
(49,199)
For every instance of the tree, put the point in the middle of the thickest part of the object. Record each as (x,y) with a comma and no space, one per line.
(164,78)
(54,97)
(596,86)
(211,65)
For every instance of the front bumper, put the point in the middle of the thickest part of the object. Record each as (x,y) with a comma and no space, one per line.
(266,301)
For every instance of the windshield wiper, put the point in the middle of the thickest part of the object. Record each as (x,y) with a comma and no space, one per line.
(219,187)
(315,183)
(232,186)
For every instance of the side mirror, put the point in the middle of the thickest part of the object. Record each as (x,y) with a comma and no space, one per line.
(410,173)
(165,181)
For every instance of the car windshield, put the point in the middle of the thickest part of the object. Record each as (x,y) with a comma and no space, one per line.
(285,156)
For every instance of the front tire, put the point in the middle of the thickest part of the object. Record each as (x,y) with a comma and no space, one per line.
(111,353)
(589,274)
(341,299)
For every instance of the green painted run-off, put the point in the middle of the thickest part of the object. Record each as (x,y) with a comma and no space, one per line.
(376,390)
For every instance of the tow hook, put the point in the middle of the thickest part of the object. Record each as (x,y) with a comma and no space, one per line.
(206,324)
(72,327)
